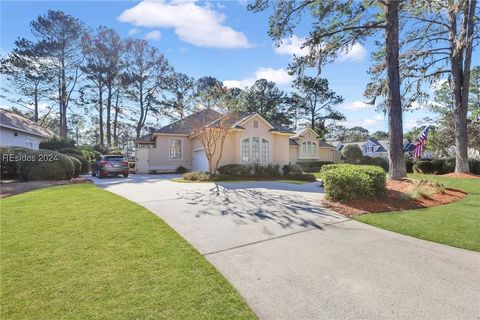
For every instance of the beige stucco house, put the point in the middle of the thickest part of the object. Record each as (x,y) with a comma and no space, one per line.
(250,139)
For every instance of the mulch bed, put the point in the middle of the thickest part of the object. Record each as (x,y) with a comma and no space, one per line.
(396,200)
(10,188)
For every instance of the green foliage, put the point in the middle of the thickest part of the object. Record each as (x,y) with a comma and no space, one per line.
(409,164)
(248,171)
(45,165)
(426,167)
(292,169)
(181,169)
(85,163)
(376,161)
(312,166)
(8,165)
(352,154)
(303,177)
(55,143)
(115,152)
(90,155)
(196,176)
(425,188)
(70,151)
(474,166)
(349,182)
(76,164)
(269,170)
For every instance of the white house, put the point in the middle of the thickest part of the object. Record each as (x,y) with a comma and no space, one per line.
(19,131)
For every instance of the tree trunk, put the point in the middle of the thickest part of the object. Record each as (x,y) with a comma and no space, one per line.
(115,120)
(35,102)
(63,114)
(100,116)
(397,169)
(109,109)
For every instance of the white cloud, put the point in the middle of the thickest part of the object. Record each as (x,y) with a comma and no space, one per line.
(133,31)
(355,105)
(153,35)
(409,123)
(279,76)
(291,46)
(356,53)
(198,25)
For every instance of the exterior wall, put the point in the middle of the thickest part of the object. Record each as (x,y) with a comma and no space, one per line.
(159,157)
(22,139)
(281,156)
(293,154)
(326,154)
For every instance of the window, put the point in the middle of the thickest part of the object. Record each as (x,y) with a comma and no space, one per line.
(309,148)
(246,150)
(255,124)
(265,150)
(176,149)
(255,149)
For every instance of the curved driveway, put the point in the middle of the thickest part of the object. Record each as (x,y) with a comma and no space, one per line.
(291,258)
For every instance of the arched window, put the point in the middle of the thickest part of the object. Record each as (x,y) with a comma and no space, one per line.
(265,150)
(246,150)
(309,148)
(255,149)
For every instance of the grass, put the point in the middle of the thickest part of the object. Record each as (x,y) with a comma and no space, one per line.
(81,252)
(182,180)
(456,224)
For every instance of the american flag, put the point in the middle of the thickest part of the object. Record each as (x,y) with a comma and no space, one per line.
(422,138)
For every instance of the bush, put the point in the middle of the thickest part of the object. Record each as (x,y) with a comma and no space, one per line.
(248,171)
(85,164)
(376,161)
(312,166)
(196,176)
(348,182)
(474,165)
(77,165)
(180,169)
(8,165)
(45,165)
(70,151)
(449,165)
(421,166)
(268,171)
(115,152)
(409,164)
(234,170)
(352,154)
(292,169)
(55,143)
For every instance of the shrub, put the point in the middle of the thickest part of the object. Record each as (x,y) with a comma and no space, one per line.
(196,176)
(303,177)
(425,188)
(421,166)
(449,165)
(409,164)
(181,169)
(8,165)
(474,166)
(438,166)
(234,170)
(352,154)
(84,162)
(292,169)
(70,151)
(348,182)
(77,165)
(115,152)
(268,171)
(312,166)
(248,171)
(376,161)
(45,165)
(55,143)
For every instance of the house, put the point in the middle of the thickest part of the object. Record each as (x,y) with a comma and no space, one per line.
(16,130)
(250,139)
(373,148)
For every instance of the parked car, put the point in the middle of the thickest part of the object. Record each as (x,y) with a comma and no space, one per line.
(110,165)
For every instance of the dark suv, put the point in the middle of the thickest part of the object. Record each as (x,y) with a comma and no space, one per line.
(109,165)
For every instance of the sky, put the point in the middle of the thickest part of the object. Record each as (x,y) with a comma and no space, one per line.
(220,39)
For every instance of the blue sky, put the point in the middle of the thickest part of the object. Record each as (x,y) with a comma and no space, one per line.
(220,39)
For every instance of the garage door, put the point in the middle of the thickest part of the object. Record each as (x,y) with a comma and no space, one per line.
(200,162)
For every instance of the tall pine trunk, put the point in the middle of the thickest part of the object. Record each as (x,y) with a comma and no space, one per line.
(109,109)
(100,116)
(397,169)
(115,120)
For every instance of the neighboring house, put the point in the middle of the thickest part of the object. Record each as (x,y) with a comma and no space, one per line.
(250,139)
(19,131)
(373,148)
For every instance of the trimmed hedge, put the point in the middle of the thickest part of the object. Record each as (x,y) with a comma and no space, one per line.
(8,165)
(70,151)
(409,164)
(292,169)
(55,143)
(376,161)
(352,154)
(426,167)
(45,165)
(474,165)
(248,171)
(180,169)
(312,166)
(77,165)
(85,163)
(349,182)
(196,176)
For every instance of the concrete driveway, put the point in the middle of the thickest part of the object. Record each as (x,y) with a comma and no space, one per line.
(291,258)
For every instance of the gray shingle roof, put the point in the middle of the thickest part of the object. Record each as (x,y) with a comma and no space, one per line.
(191,122)
(12,120)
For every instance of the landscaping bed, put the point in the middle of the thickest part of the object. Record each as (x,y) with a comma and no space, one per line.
(400,196)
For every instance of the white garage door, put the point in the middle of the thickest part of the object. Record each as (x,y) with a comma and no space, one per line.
(200,162)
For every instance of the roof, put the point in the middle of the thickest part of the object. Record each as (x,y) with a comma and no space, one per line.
(189,123)
(15,121)
(300,131)
(148,138)
(323,144)
(292,142)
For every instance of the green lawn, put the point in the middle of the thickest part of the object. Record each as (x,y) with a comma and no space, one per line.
(456,224)
(81,252)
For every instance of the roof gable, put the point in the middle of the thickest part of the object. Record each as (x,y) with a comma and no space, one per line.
(15,121)
(188,124)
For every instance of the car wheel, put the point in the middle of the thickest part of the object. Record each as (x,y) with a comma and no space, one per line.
(125,175)
(99,175)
